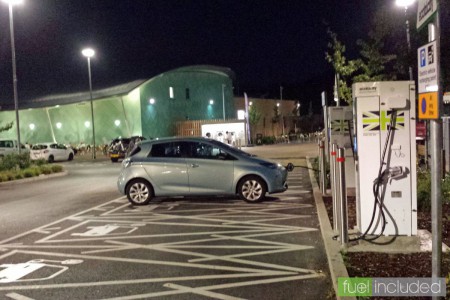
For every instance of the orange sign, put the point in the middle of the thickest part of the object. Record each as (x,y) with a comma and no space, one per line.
(428,106)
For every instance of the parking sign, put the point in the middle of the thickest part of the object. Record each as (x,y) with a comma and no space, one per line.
(428,71)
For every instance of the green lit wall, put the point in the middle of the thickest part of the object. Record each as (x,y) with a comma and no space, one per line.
(158,119)
(130,114)
(71,124)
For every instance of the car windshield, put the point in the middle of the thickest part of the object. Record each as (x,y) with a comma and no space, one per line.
(39,147)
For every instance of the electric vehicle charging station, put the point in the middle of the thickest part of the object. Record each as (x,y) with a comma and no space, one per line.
(340,123)
(385,118)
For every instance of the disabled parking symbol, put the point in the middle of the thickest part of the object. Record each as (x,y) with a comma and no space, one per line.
(108,230)
(19,272)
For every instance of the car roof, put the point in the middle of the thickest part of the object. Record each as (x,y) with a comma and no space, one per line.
(47,143)
(178,139)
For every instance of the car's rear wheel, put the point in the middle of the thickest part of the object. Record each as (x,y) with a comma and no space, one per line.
(139,192)
(252,189)
(51,159)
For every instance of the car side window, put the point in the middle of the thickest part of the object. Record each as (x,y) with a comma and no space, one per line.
(166,150)
(207,151)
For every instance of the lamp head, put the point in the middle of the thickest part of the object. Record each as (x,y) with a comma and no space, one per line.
(88,52)
(404,3)
(13,2)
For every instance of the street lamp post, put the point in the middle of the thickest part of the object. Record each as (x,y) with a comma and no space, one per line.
(405,4)
(88,52)
(13,54)
(223,100)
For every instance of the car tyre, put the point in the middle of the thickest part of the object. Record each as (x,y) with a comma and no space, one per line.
(139,192)
(70,157)
(252,189)
(51,159)
(114,160)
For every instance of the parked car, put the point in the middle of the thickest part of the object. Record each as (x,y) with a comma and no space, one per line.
(119,147)
(51,152)
(8,146)
(197,166)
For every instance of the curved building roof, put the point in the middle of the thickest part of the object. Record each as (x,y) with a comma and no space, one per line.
(206,69)
(118,90)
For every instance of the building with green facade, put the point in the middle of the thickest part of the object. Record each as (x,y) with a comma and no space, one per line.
(148,108)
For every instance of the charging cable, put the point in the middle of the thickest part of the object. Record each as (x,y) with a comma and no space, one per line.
(392,173)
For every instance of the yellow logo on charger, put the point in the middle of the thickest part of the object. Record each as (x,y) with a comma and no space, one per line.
(380,120)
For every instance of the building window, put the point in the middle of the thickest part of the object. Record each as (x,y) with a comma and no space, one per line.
(171,92)
(188,97)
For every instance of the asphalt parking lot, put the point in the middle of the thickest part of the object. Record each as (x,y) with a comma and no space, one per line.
(219,248)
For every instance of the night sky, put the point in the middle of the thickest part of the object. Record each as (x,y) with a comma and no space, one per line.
(267,43)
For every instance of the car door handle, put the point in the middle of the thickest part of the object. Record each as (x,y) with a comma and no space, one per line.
(194,166)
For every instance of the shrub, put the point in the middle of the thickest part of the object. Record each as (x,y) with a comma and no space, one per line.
(10,175)
(15,161)
(31,171)
(46,169)
(3,177)
(39,162)
(27,173)
(56,168)
(36,170)
(446,188)
(424,190)
(268,140)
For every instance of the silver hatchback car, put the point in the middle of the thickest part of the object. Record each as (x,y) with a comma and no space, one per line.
(197,166)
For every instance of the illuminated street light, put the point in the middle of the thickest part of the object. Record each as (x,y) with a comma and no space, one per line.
(13,52)
(88,52)
(405,4)
(211,102)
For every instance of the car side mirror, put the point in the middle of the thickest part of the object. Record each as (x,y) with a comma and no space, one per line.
(290,167)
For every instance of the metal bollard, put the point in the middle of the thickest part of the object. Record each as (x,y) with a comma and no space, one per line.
(323,187)
(333,185)
(343,218)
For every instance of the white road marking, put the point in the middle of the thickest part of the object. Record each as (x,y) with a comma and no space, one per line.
(200,291)
(16,296)
(245,224)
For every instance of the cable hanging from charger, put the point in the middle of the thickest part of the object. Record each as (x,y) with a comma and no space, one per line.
(378,202)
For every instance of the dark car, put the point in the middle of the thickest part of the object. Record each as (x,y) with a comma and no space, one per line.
(120,147)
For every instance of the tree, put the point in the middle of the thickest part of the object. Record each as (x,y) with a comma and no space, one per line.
(7,127)
(276,118)
(372,64)
(335,56)
(254,116)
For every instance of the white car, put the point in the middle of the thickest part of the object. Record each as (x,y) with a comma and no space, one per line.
(8,146)
(51,152)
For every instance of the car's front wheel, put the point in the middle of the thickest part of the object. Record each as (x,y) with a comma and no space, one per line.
(252,189)
(51,159)
(139,192)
